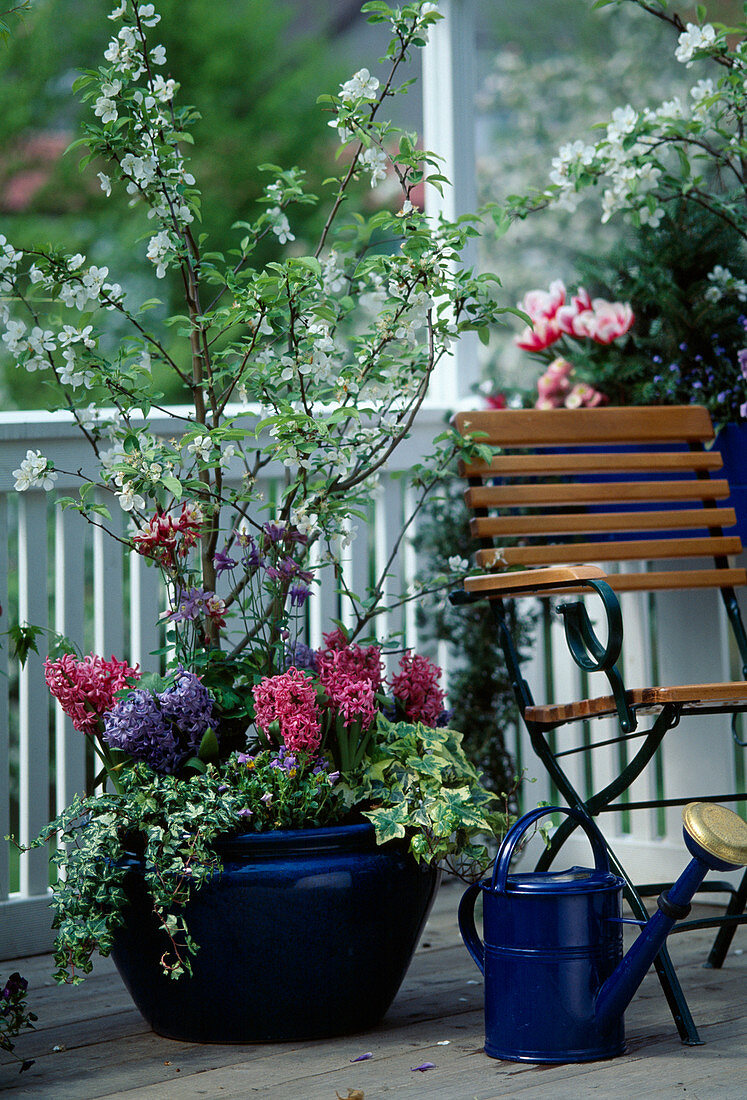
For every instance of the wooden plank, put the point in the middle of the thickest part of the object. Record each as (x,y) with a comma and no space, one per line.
(632,550)
(529,581)
(540,495)
(586,523)
(437,1017)
(586,427)
(695,696)
(574,462)
(684,578)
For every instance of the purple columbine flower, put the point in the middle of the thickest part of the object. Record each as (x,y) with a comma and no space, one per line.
(188,704)
(136,725)
(252,557)
(299,594)
(222,562)
(190,603)
(275,532)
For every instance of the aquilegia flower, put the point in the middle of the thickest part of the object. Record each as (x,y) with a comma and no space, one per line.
(86,687)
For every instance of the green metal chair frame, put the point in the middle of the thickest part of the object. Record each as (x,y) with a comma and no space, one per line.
(569,485)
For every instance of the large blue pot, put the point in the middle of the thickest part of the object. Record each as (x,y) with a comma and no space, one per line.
(304,935)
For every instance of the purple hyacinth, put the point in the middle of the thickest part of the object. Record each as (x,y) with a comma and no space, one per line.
(299,656)
(188,704)
(136,725)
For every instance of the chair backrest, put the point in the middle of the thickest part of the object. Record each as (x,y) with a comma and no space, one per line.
(607,485)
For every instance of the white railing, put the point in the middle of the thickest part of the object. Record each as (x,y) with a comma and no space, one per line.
(58,572)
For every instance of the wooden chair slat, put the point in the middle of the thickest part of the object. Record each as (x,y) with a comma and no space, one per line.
(676,578)
(587,523)
(633,550)
(507,584)
(555,577)
(601,492)
(516,465)
(587,427)
(691,696)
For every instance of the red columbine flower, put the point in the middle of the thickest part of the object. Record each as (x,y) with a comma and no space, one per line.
(166,535)
(416,689)
(85,688)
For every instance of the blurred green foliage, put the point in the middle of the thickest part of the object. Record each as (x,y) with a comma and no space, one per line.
(249,69)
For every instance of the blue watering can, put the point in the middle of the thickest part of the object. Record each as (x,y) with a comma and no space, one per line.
(556,982)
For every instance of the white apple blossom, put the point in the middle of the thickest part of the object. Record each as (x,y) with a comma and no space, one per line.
(374,161)
(201,447)
(360,86)
(106,183)
(692,39)
(128,498)
(163,90)
(14,337)
(158,250)
(280,225)
(148,15)
(119,12)
(35,471)
(158,55)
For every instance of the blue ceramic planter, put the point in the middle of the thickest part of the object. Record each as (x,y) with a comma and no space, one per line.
(731,441)
(304,935)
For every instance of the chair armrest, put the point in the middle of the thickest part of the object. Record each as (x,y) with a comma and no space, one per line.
(550,580)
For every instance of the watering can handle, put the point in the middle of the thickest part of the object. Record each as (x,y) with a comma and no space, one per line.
(517,830)
(472,941)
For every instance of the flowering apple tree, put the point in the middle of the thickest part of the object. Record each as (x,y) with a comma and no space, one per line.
(315,365)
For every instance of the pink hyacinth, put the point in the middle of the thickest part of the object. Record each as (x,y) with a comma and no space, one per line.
(290,700)
(350,686)
(86,687)
(357,662)
(416,688)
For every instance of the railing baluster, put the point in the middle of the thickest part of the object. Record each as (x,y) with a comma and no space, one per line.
(4,707)
(69,593)
(33,700)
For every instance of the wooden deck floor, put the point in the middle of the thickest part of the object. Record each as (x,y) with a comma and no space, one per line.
(90,1042)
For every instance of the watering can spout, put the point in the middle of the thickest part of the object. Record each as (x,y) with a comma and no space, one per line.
(717,840)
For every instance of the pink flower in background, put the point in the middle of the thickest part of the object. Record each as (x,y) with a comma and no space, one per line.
(610,320)
(542,307)
(290,700)
(554,385)
(557,390)
(416,689)
(584,396)
(86,687)
(582,318)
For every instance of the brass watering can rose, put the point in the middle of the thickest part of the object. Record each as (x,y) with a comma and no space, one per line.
(718,830)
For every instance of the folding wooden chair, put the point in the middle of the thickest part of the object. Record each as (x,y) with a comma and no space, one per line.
(564,493)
